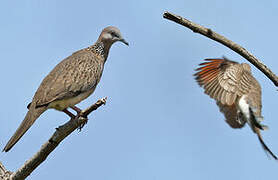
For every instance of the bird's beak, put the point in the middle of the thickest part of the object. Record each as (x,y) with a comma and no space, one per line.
(124,41)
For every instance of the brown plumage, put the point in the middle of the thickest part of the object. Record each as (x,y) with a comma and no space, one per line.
(71,81)
(236,91)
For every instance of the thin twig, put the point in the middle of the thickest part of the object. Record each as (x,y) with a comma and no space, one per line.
(92,108)
(226,42)
(59,135)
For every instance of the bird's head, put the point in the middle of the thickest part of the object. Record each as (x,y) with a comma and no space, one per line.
(110,35)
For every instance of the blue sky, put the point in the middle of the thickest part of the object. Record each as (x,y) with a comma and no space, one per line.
(157,123)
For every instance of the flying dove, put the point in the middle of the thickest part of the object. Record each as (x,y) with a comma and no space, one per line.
(71,81)
(236,91)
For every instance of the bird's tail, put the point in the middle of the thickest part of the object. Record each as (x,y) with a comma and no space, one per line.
(28,121)
(257,130)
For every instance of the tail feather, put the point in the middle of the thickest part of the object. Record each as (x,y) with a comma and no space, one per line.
(264,145)
(28,121)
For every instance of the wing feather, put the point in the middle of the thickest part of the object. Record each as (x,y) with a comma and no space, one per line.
(219,77)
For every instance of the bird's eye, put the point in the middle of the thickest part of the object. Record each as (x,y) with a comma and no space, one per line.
(114,34)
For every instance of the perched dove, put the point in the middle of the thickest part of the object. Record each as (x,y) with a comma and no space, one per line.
(236,91)
(71,81)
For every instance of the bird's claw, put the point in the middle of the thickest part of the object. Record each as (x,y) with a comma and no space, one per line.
(265,127)
(80,114)
(82,125)
(258,124)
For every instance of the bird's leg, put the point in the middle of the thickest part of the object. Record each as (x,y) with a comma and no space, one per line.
(78,111)
(72,116)
(256,120)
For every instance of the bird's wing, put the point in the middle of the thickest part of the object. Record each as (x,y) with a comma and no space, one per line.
(74,75)
(222,79)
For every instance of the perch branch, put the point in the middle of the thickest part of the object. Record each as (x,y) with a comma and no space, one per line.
(226,42)
(59,135)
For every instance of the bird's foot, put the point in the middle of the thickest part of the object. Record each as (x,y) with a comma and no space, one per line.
(81,113)
(78,115)
(257,122)
(261,126)
(82,125)
(265,127)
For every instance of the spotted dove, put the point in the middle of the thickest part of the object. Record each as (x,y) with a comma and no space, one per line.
(236,91)
(71,81)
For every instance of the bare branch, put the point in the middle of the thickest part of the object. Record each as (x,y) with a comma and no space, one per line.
(59,135)
(226,42)
(94,107)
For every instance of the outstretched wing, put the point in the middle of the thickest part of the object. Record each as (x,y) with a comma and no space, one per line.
(224,81)
(220,79)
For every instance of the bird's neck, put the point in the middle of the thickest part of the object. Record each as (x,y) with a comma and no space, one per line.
(101,49)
